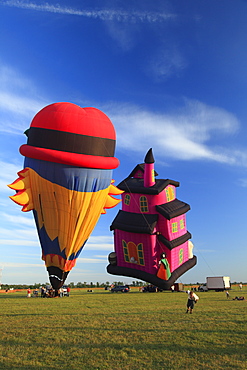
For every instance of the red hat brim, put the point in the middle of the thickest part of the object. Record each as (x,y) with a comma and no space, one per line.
(72,159)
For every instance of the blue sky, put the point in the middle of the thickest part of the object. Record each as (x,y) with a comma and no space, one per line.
(171,75)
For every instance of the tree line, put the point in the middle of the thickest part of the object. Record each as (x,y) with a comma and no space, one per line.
(72,285)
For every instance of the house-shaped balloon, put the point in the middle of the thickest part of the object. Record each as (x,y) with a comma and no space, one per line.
(150,233)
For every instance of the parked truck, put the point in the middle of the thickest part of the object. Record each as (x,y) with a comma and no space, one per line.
(218,283)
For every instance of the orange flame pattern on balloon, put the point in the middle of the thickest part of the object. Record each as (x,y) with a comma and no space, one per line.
(67,215)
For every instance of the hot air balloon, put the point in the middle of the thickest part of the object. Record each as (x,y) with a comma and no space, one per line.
(151,240)
(66,180)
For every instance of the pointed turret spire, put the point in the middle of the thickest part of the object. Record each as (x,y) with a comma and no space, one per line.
(149,179)
(149,157)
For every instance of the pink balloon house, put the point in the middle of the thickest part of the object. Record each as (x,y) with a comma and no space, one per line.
(151,226)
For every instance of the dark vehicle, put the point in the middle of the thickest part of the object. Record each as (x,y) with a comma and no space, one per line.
(151,289)
(203,288)
(120,288)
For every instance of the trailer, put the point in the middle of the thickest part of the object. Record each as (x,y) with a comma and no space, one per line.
(218,283)
(178,287)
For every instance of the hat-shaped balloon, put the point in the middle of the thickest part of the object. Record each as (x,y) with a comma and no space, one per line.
(66,180)
(66,133)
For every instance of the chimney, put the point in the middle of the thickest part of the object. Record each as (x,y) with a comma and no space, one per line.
(149,179)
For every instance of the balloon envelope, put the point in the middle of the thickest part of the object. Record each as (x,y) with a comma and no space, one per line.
(66,180)
(151,240)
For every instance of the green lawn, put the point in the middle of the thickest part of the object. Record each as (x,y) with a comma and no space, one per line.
(104,330)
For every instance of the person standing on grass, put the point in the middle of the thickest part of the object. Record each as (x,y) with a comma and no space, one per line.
(227,294)
(192,299)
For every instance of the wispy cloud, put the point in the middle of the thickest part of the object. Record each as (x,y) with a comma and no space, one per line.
(19,242)
(204,250)
(19,220)
(100,243)
(92,260)
(8,175)
(243,183)
(119,15)
(23,265)
(99,246)
(97,239)
(165,62)
(23,106)
(19,101)
(193,132)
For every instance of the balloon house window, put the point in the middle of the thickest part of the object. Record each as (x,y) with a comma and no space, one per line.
(181,256)
(174,227)
(182,225)
(133,253)
(139,175)
(143,204)
(140,254)
(127,200)
(170,194)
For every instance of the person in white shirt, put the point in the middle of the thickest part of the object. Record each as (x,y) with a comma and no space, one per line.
(192,299)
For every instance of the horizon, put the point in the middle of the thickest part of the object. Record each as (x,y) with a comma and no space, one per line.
(170,75)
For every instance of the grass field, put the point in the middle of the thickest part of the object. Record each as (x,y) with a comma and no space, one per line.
(115,331)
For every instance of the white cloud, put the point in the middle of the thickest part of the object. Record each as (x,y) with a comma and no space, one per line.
(19,242)
(8,74)
(23,221)
(114,18)
(23,106)
(91,260)
(101,256)
(100,246)
(8,175)
(97,239)
(23,265)
(119,15)
(99,243)
(18,230)
(185,134)
(19,101)
(204,250)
